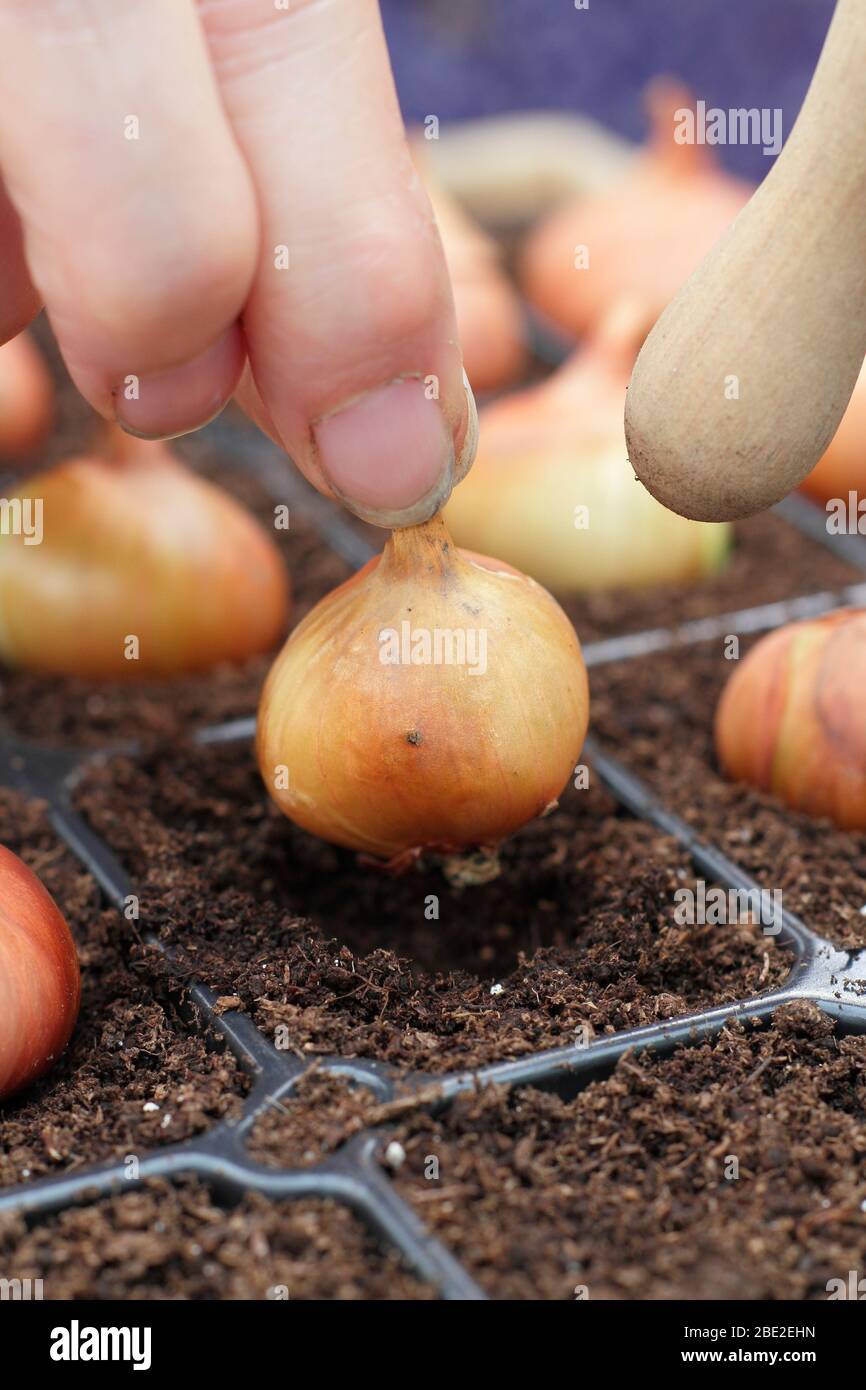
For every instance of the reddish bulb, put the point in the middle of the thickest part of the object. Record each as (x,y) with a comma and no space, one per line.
(792,718)
(40,987)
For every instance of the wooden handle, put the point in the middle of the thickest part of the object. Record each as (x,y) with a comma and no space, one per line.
(740,386)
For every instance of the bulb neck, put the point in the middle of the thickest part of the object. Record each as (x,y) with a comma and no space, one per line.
(122,450)
(664,98)
(411,549)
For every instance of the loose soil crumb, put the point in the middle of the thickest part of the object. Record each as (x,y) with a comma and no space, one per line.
(628,1191)
(321,1113)
(174,1242)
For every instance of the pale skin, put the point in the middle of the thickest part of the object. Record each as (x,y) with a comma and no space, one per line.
(215,196)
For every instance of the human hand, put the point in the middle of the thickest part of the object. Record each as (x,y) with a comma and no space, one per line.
(208,192)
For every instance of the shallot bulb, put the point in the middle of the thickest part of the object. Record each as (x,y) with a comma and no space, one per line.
(551,489)
(843,467)
(792,717)
(40,987)
(489,316)
(26,397)
(126,564)
(641,237)
(436,701)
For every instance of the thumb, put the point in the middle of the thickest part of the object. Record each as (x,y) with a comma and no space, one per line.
(350,324)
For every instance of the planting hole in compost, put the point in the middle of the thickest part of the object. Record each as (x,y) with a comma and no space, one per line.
(577,936)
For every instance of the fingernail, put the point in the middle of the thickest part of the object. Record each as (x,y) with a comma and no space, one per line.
(470,439)
(184,398)
(388,455)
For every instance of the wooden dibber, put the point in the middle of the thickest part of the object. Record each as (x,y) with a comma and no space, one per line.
(740,386)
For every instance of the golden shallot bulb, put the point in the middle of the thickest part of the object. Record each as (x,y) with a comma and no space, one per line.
(26,397)
(551,490)
(125,564)
(489,316)
(640,237)
(40,986)
(792,717)
(436,701)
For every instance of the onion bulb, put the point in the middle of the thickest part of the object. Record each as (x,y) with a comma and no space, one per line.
(489,316)
(26,397)
(792,717)
(843,467)
(508,169)
(551,489)
(641,237)
(436,701)
(127,564)
(40,987)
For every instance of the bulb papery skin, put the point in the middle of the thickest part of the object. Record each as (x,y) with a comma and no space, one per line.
(552,492)
(383,749)
(143,569)
(792,718)
(40,985)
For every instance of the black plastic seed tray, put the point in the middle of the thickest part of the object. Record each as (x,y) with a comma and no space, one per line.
(833,979)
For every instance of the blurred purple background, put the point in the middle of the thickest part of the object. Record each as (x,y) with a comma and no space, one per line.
(460,58)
